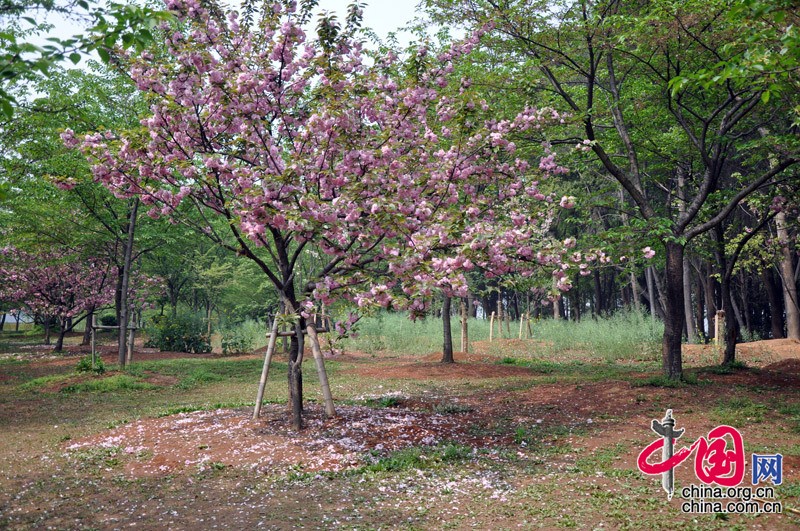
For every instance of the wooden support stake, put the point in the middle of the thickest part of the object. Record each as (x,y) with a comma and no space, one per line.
(262,384)
(528,318)
(521,322)
(491,327)
(311,330)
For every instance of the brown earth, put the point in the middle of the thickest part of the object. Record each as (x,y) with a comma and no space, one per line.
(557,427)
(609,408)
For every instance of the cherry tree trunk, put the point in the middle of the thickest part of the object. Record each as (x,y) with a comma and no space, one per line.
(62,331)
(295,376)
(47,326)
(673,316)
(447,345)
(87,332)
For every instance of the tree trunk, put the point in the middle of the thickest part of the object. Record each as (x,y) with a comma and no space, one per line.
(691,333)
(2,321)
(557,308)
(747,310)
(651,291)
(447,345)
(62,331)
(87,331)
(790,301)
(775,304)
(711,306)
(673,318)
(295,375)
(598,294)
(47,325)
(126,276)
(635,293)
(464,330)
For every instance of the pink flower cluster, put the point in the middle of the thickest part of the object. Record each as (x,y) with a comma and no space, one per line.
(300,148)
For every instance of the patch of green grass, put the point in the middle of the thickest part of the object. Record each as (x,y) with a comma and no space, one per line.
(195,371)
(725,369)
(383,401)
(689,378)
(179,409)
(97,457)
(788,490)
(418,458)
(118,382)
(740,411)
(793,412)
(36,383)
(602,460)
(546,440)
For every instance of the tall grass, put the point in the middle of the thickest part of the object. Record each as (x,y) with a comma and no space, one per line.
(250,333)
(627,335)
(395,332)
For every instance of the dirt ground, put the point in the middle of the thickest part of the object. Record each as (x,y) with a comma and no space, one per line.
(562,427)
(181,442)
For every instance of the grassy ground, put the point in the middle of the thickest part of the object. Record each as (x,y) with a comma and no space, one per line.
(568,430)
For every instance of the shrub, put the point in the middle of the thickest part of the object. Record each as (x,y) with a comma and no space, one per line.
(108,320)
(236,341)
(85,365)
(183,333)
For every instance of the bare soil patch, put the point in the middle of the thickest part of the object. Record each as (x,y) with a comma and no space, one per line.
(442,371)
(754,354)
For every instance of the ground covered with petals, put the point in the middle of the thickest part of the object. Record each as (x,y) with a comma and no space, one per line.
(504,438)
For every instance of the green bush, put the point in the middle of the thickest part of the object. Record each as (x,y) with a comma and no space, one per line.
(183,333)
(237,340)
(85,365)
(108,320)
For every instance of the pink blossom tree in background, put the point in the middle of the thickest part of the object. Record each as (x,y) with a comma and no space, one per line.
(55,287)
(278,147)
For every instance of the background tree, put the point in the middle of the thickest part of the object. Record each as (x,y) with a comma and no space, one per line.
(613,66)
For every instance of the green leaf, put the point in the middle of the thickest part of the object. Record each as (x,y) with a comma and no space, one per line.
(75,57)
(765,96)
(104,55)
(6,108)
